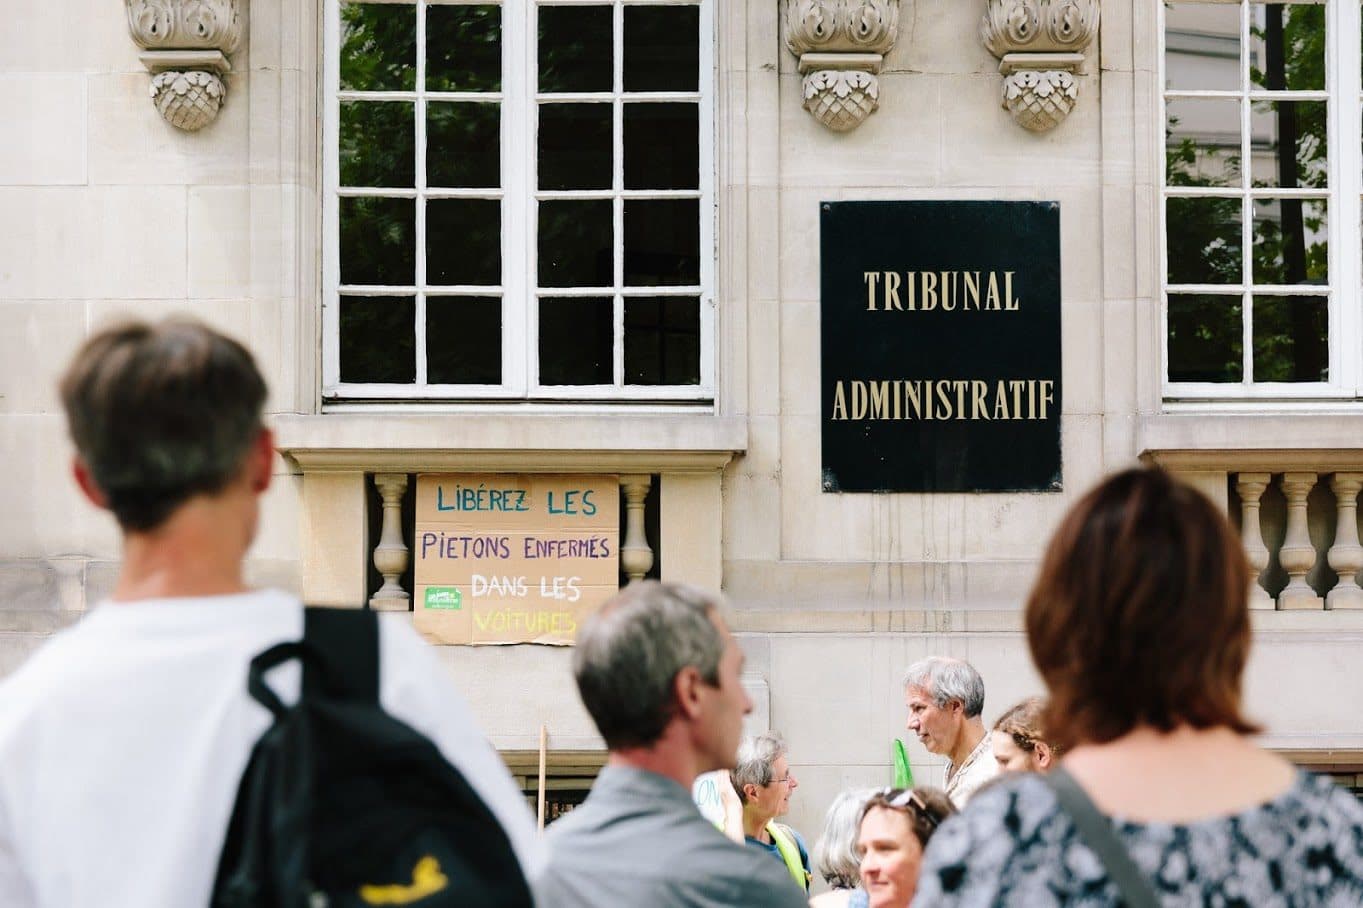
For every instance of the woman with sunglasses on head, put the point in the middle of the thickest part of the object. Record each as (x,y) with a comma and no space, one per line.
(895,828)
(1018,743)
(1139,625)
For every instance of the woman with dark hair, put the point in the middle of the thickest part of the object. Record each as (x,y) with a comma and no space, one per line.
(1019,742)
(1139,625)
(896,825)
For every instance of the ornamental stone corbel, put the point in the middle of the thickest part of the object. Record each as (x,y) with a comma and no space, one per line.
(1040,45)
(841,45)
(185,44)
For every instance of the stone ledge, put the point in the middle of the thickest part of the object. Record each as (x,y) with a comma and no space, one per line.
(1224,439)
(567,442)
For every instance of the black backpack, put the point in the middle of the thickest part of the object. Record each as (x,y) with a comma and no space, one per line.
(343,805)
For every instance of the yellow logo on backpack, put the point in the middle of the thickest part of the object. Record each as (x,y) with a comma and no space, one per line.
(427,880)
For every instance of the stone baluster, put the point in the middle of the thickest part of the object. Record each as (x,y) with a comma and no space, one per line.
(391,554)
(1250,487)
(1346,555)
(636,556)
(1298,555)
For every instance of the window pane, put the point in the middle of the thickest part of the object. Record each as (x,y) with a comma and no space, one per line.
(1288,138)
(662,48)
(575,44)
(463,340)
(662,340)
(662,146)
(1291,338)
(1287,46)
(662,242)
(378,47)
(377,241)
(377,144)
(1203,139)
(463,145)
(575,146)
(464,48)
(464,241)
(1205,338)
(575,248)
(576,338)
(378,339)
(1290,241)
(1204,241)
(1202,46)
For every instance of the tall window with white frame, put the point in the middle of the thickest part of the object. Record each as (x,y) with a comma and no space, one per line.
(1261,185)
(519,201)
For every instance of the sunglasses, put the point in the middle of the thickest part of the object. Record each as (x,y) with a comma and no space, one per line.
(906,799)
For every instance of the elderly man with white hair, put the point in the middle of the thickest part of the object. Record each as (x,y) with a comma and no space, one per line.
(945,700)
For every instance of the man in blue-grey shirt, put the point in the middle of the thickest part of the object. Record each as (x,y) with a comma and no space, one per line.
(659,673)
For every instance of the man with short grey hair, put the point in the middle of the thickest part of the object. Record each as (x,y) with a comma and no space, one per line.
(764,783)
(945,700)
(659,673)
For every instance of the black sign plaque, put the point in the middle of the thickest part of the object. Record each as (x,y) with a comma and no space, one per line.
(940,326)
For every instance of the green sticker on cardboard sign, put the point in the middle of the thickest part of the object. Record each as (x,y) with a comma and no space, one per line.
(444,597)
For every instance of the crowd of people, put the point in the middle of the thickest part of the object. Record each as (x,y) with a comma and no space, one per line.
(1137,781)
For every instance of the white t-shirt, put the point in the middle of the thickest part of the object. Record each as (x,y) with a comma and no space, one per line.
(123,741)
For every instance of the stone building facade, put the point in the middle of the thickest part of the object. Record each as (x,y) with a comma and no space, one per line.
(107,207)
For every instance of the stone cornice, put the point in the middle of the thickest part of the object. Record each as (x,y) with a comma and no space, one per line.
(576,443)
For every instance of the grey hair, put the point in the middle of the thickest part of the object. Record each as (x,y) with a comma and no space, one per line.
(757,758)
(629,653)
(945,679)
(835,853)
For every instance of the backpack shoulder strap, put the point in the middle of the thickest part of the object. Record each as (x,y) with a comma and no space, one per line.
(1096,832)
(343,644)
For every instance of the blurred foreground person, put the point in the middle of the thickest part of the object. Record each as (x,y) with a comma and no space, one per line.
(895,828)
(1018,742)
(1139,625)
(945,698)
(835,853)
(123,740)
(763,780)
(659,673)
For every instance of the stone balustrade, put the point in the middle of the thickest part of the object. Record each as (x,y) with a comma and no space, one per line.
(392,554)
(1300,530)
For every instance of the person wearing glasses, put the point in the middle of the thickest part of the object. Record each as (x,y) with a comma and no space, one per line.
(896,825)
(1139,624)
(764,782)
(1018,741)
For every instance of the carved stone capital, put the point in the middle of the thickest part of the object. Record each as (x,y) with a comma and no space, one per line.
(841,45)
(1040,44)
(185,24)
(185,46)
(841,26)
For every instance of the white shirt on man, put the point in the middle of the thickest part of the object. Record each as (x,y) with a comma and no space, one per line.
(977,769)
(123,741)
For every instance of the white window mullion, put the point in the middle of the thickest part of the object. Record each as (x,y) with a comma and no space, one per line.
(420,279)
(1247,275)
(1345,126)
(331,234)
(618,199)
(518,121)
(709,212)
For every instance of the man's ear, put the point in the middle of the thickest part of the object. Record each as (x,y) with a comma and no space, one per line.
(86,481)
(261,460)
(686,688)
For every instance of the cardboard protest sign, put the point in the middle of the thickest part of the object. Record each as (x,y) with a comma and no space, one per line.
(705,791)
(503,558)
